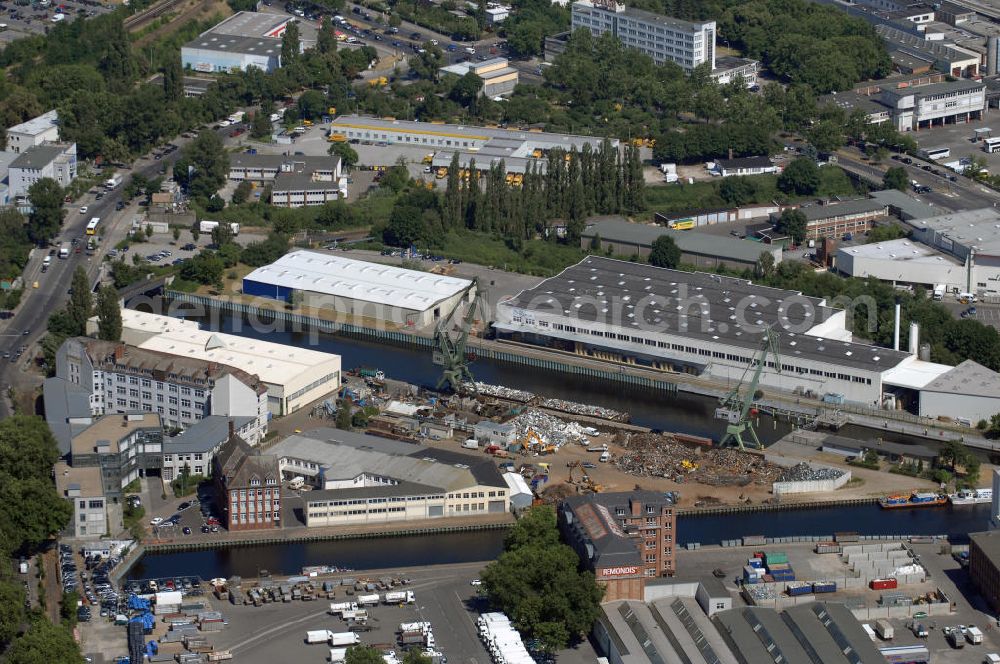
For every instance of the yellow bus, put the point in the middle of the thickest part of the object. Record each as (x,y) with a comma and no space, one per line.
(92,225)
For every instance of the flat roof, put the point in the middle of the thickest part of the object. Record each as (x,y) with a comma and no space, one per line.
(272,363)
(914,374)
(204,435)
(907,206)
(37,157)
(619,229)
(647,16)
(958,85)
(968,379)
(283,162)
(402,488)
(111,429)
(745,162)
(699,305)
(250,24)
(840,208)
(302,182)
(463,68)
(979,228)
(236,44)
(345,455)
(86,480)
(848,99)
(38,125)
(360,280)
(989,542)
(901,250)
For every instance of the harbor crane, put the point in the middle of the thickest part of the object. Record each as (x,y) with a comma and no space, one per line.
(737,406)
(449,353)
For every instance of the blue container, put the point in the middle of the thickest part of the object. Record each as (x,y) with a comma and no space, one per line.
(825,587)
(795,591)
(756,563)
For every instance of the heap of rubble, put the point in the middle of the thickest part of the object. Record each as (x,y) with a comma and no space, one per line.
(656,455)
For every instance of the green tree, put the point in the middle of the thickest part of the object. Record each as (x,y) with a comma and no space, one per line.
(203,166)
(344,418)
(801,177)
(665,252)
(414,656)
(260,126)
(205,268)
(737,190)
(793,223)
(290,44)
(242,192)
(348,155)
(47,212)
(67,608)
(44,643)
(80,301)
(173,79)
(765,265)
(176,233)
(326,40)
(896,178)
(109,315)
(312,104)
(539,585)
(363,655)
(11,610)
(466,90)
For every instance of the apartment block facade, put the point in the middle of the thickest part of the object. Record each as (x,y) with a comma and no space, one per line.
(662,38)
(248,486)
(181,390)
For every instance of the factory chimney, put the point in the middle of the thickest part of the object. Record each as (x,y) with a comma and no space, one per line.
(914,345)
(895,333)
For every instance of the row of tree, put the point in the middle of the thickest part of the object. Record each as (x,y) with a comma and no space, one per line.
(72,320)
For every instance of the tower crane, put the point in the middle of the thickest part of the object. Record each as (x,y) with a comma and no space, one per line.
(736,407)
(449,353)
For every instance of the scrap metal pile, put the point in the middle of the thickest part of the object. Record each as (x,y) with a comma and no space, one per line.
(550,430)
(803,472)
(498,391)
(656,455)
(585,409)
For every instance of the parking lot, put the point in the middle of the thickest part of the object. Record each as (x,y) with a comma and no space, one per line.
(958,138)
(21,20)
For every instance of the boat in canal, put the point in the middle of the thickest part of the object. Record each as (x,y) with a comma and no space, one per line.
(971,497)
(915,499)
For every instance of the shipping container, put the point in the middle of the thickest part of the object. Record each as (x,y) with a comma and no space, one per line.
(798,588)
(755,562)
(825,587)
(883,584)
(846,537)
(775,557)
(829,547)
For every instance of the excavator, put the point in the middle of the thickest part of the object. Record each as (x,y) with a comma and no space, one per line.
(584,483)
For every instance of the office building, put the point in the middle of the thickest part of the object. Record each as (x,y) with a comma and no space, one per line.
(362,479)
(123,447)
(498,77)
(359,290)
(837,219)
(263,168)
(625,538)
(248,486)
(56,161)
(34,132)
(662,38)
(195,447)
(92,511)
(181,390)
(292,377)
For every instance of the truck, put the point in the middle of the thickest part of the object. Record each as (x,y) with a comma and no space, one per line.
(113,182)
(344,639)
(338,655)
(318,636)
(471,444)
(219,655)
(368,600)
(237,117)
(401,597)
(954,638)
(207,226)
(64,250)
(938,291)
(355,614)
(337,608)
(974,635)
(415,638)
(884,629)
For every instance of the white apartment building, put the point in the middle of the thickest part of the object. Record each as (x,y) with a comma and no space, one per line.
(660,37)
(299,190)
(51,160)
(182,390)
(924,106)
(34,132)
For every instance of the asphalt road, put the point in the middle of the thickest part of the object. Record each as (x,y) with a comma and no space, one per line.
(28,324)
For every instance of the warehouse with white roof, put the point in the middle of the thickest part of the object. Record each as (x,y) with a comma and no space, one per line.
(294,377)
(369,291)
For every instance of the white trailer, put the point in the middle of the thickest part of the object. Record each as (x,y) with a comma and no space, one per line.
(415,627)
(338,655)
(355,614)
(974,635)
(368,600)
(344,639)
(339,607)
(113,182)
(318,635)
(207,226)
(401,597)
(884,629)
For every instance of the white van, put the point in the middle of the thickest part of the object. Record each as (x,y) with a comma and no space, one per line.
(992,658)
(470,50)
(968,297)
(605,457)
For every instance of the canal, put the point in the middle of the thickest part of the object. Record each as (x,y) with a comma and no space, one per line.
(419,550)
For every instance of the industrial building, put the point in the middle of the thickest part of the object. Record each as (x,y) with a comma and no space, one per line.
(33,132)
(837,219)
(914,104)
(624,238)
(903,263)
(498,77)
(712,326)
(363,478)
(625,538)
(291,377)
(744,166)
(244,40)
(519,150)
(180,389)
(268,167)
(366,291)
(662,38)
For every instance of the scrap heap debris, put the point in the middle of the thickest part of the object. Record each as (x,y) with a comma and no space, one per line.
(585,409)
(656,455)
(803,472)
(499,392)
(551,430)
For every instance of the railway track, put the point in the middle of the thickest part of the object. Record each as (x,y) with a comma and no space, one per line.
(140,20)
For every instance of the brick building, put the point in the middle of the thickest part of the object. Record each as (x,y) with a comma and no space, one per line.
(984,565)
(625,538)
(248,486)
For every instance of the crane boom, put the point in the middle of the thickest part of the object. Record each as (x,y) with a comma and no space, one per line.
(449,352)
(736,406)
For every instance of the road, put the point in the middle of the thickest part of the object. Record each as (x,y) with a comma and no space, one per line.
(28,324)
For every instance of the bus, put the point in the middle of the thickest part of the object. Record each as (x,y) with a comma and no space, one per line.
(991,144)
(935,154)
(92,225)
(682,224)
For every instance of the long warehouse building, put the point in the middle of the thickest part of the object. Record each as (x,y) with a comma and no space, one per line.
(712,326)
(294,376)
(519,150)
(359,289)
